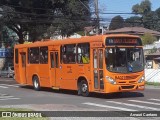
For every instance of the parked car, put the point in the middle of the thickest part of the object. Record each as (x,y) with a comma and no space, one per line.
(7,72)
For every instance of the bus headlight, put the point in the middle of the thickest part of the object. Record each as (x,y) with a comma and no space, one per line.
(141,79)
(110,80)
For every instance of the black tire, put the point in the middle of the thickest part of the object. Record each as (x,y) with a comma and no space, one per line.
(36,83)
(84,90)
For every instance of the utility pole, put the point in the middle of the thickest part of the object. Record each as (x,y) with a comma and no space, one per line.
(97,16)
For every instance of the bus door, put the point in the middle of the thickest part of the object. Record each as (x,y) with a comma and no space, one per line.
(23,67)
(98,69)
(54,68)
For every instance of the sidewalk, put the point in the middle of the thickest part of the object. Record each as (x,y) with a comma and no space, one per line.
(152,87)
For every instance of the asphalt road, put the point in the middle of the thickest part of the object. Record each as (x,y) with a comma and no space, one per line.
(15,95)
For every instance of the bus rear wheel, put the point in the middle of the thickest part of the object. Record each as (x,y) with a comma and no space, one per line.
(84,90)
(36,83)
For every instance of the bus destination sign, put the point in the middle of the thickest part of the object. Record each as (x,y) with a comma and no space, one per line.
(123,41)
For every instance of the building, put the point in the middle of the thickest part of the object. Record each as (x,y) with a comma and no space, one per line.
(153,60)
(134,31)
(91,30)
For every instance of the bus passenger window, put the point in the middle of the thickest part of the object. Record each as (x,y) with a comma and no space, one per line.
(69,54)
(64,59)
(34,55)
(85,58)
(43,55)
(83,53)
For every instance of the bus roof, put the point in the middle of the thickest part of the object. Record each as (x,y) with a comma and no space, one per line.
(96,38)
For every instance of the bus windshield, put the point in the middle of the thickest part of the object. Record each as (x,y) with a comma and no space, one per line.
(124,60)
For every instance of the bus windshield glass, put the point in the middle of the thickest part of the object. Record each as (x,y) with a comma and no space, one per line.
(124,60)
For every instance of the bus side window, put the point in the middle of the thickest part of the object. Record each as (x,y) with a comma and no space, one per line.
(34,55)
(69,55)
(83,53)
(43,55)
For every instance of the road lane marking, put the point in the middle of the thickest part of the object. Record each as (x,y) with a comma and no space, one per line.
(14,85)
(3,87)
(1,94)
(6,96)
(153,103)
(134,105)
(155,99)
(106,106)
(9,98)
(6,80)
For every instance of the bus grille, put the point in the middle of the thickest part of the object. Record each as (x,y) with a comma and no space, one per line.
(126,77)
(128,87)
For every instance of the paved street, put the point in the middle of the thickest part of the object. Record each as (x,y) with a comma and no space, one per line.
(14,95)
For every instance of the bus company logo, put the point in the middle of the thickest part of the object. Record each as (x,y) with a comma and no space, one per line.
(126,77)
(121,77)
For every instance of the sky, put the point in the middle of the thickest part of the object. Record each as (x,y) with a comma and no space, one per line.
(124,6)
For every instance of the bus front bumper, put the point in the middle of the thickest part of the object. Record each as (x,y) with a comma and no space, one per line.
(124,88)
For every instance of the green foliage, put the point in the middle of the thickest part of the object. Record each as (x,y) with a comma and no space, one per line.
(153,50)
(148,18)
(37,16)
(153,83)
(116,22)
(142,8)
(147,38)
(158,12)
(133,21)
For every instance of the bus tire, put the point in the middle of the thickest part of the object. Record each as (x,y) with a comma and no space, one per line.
(36,83)
(84,90)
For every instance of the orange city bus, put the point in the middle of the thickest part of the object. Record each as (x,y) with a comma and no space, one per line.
(102,64)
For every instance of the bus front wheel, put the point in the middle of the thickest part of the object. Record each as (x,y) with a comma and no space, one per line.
(84,90)
(36,83)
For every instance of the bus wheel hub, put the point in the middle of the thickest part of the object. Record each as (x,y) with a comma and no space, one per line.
(84,88)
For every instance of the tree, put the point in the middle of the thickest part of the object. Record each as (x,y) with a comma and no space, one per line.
(133,21)
(148,38)
(143,9)
(34,17)
(116,22)
(158,12)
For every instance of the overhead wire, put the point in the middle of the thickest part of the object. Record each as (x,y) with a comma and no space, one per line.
(35,15)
